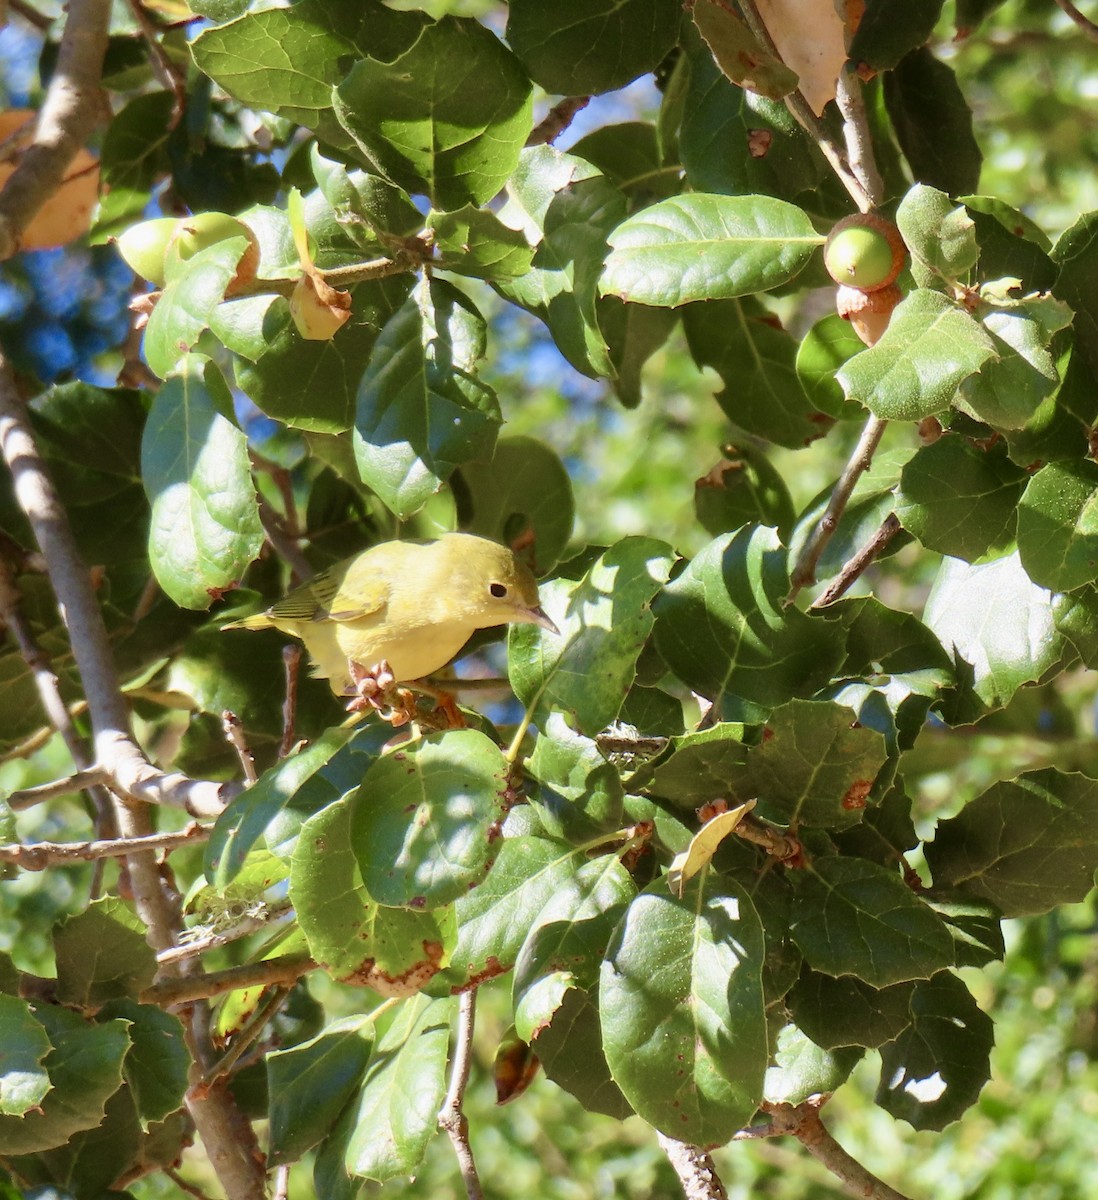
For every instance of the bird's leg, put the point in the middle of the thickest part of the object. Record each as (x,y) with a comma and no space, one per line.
(446,713)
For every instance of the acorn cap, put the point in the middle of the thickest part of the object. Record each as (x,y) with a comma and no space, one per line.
(864,251)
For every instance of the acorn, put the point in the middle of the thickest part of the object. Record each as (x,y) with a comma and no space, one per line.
(864,251)
(202,230)
(143,247)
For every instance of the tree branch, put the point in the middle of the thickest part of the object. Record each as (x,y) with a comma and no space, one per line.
(1084,23)
(859,462)
(37,856)
(803,1122)
(71,111)
(695,1169)
(77,782)
(856,134)
(287,969)
(451,1117)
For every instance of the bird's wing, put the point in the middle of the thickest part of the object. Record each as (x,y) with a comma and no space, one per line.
(314,601)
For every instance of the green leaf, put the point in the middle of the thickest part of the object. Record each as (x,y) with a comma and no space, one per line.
(680,987)
(976,927)
(823,350)
(523,496)
(604,621)
(852,917)
(421,411)
(188,301)
(310,384)
(633,333)
(929,348)
(310,1084)
(287,60)
(630,155)
(85,1069)
(1076,252)
(932,1072)
(23,1049)
(743,488)
(735,142)
(742,58)
(312,778)
(585,47)
(1011,245)
(940,235)
(156,1064)
(205,525)
(566,210)
(890,28)
(133,155)
(396,1114)
(581,792)
(932,120)
(997,620)
(815,765)
(533,880)
(427,819)
(1008,392)
(702,247)
(756,359)
(722,626)
(701,766)
(846,1011)
(102,955)
(393,950)
(1026,845)
(474,241)
(1058,526)
(960,499)
(802,1069)
(447,118)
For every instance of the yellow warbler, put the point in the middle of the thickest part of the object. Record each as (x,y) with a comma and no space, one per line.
(412,605)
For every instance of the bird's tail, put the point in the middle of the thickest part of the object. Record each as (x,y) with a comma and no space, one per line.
(258,621)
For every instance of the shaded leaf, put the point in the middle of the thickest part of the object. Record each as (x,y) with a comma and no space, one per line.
(102,955)
(802,1068)
(846,1011)
(741,57)
(935,1070)
(1026,845)
(23,1049)
(1058,526)
(852,917)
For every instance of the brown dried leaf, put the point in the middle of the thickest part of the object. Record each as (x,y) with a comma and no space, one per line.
(811,39)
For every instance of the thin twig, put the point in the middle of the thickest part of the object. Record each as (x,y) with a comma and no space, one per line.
(557,120)
(31,15)
(234,734)
(71,111)
(856,134)
(857,563)
(1084,23)
(781,846)
(803,1122)
(77,782)
(859,462)
(282,1183)
(695,1169)
(37,856)
(286,969)
(284,544)
(451,1116)
(291,660)
(171,76)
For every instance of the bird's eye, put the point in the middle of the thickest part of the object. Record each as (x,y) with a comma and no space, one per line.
(498,590)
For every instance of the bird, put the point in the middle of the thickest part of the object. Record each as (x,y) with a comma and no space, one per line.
(401,610)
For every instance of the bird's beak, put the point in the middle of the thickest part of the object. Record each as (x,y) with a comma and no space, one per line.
(537,616)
